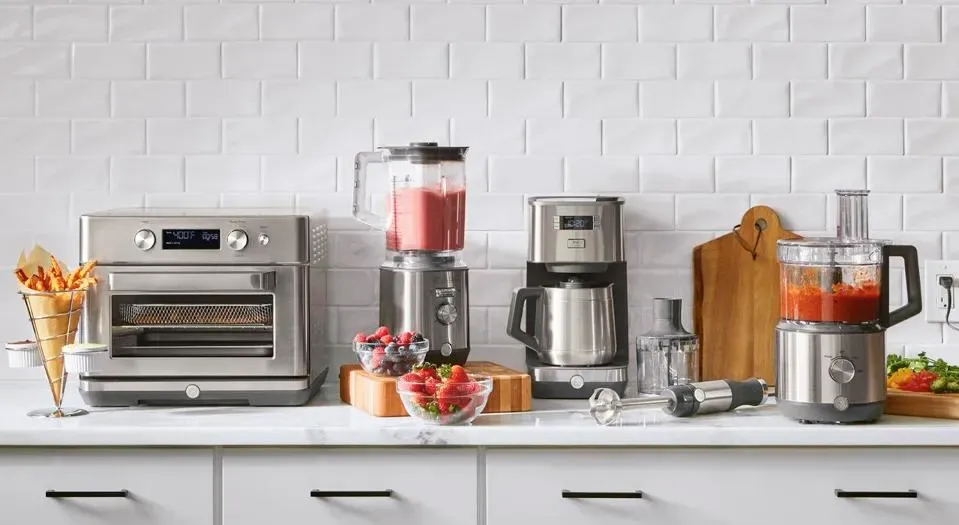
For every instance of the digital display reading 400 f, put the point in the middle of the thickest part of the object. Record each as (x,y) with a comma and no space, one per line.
(191,239)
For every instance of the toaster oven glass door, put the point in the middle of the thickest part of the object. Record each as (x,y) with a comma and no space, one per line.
(185,325)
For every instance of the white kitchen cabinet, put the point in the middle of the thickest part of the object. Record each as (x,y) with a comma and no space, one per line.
(406,486)
(721,486)
(51,486)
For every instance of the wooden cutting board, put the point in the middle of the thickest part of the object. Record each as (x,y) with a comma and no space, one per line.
(922,404)
(736,298)
(376,395)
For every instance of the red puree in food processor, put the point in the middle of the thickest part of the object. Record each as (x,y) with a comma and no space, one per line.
(427,219)
(844,303)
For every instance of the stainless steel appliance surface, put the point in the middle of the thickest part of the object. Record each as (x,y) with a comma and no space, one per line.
(575,299)
(216,306)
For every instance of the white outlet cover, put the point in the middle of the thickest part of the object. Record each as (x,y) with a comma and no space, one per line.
(934,296)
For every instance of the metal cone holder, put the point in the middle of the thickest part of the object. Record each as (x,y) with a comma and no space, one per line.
(55,317)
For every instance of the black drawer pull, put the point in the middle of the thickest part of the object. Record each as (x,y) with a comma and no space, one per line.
(907,494)
(571,494)
(351,493)
(88,493)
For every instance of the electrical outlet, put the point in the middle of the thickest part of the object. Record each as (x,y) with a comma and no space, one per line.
(935,298)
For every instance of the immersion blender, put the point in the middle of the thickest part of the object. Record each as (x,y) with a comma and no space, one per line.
(687,400)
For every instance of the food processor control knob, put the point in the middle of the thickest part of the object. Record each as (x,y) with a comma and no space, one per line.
(447,314)
(144,239)
(237,240)
(842,370)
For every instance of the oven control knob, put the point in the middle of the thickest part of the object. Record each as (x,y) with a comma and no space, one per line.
(144,239)
(237,240)
(447,314)
(263,239)
(842,370)
(192,391)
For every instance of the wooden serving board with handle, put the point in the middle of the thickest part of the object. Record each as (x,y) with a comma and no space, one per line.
(376,395)
(736,298)
(922,404)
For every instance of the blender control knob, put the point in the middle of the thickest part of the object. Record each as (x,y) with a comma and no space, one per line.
(447,314)
(144,239)
(237,240)
(842,370)
(841,403)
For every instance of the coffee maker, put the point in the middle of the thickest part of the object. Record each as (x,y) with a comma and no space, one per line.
(424,284)
(834,312)
(575,300)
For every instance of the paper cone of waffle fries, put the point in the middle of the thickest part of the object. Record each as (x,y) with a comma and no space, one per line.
(54,298)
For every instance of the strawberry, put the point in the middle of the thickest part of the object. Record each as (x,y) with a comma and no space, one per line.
(411,382)
(447,399)
(421,400)
(425,371)
(381,331)
(458,375)
(430,384)
(376,361)
(404,338)
(379,350)
(386,339)
(360,338)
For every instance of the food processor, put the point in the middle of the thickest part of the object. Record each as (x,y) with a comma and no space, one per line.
(834,312)
(423,281)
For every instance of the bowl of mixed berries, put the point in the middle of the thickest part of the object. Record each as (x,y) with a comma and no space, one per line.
(444,395)
(384,354)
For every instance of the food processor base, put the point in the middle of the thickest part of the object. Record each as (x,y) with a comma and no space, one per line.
(821,413)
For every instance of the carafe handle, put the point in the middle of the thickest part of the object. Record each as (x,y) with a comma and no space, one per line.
(361,209)
(913,306)
(517,306)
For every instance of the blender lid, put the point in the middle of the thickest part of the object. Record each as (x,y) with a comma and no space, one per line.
(427,152)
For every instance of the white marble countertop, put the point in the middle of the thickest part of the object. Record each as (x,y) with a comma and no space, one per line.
(326,421)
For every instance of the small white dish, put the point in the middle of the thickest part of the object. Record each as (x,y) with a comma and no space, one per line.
(23,354)
(82,358)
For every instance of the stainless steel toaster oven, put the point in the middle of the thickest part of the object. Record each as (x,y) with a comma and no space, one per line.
(213,306)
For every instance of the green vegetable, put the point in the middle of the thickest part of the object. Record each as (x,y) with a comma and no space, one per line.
(939,385)
(895,362)
(952,387)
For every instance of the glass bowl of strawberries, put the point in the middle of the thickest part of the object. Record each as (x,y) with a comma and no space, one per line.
(392,355)
(444,395)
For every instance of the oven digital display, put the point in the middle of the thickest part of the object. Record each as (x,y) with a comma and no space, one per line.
(576,222)
(191,239)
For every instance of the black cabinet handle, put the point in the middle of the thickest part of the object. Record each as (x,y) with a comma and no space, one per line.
(88,493)
(572,494)
(351,493)
(906,494)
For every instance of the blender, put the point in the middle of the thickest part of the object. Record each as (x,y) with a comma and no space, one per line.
(834,312)
(423,281)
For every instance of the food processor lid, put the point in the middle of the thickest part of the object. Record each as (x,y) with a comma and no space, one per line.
(832,242)
(828,251)
(427,153)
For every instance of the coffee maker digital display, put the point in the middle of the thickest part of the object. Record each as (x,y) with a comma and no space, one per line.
(576,222)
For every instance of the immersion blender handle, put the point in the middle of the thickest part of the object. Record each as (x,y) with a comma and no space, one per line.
(751,392)
(913,289)
(361,209)
(721,395)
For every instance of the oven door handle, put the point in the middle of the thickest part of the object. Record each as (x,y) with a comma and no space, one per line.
(193,282)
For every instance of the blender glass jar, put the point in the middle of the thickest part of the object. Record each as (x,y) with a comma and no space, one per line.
(830,280)
(424,196)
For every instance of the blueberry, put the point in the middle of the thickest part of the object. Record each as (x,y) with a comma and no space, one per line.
(417,338)
(392,349)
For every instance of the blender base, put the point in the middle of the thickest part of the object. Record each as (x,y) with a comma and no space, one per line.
(817,413)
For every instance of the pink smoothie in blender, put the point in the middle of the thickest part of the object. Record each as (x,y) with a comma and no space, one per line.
(427,219)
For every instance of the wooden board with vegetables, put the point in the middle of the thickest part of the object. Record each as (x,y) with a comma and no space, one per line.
(921,387)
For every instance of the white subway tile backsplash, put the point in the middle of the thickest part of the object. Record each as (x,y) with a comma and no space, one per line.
(18,169)
(671,174)
(339,136)
(357,249)
(109,61)
(183,61)
(492,287)
(950,168)
(296,21)
(710,212)
(865,61)
(950,24)
(714,137)
(789,61)
(828,99)
(56,214)
(495,212)
(950,99)
(16,98)
(373,22)
(16,23)
(865,137)
(601,174)
(262,60)
(830,23)
(649,211)
(607,98)
(194,136)
(932,61)
(599,23)
(627,136)
(752,98)
(109,137)
(392,131)
(797,212)
(668,249)
(493,136)
(525,174)
(932,137)
(824,174)
(487,60)
(714,61)
(676,99)
(639,61)
(60,23)
(295,98)
(352,287)
(789,137)
(336,60)
(220,174)
(28,60)
(563,61)
(144,174)
(909,23)
(223,98)
(447,23)
(675,23)
(262,136)
(523,23)
(73,174)
(368,98)
(148,98)
(411,60)
(931,212)
(36,137)
(905,174)
(526,98)
(508,249)
(581,137)
(903,99)
(753,23)
(73,98)
(299,173)
(222,22)
(449,98)
(146,23)
(752,174)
